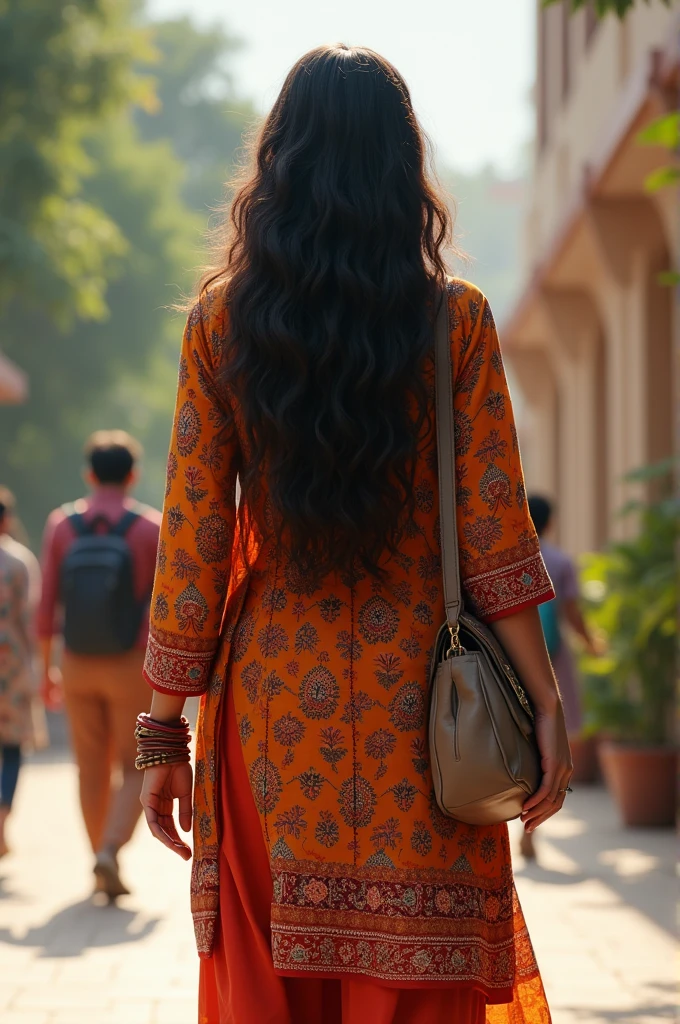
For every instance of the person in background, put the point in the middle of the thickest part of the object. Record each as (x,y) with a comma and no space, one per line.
(19,593)
(98,565)
(563,610)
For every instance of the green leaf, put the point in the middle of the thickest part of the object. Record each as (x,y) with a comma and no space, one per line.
(663,177)
(663,131)
(668,278)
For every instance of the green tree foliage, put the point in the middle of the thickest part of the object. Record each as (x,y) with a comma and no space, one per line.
(199,109)
(143,174)
(603,7)
(64,64)
(95,374)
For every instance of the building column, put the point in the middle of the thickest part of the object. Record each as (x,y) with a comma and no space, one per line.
(538,435)
(575,339)
(629,236)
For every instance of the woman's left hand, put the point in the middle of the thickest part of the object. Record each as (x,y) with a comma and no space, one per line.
(163,784)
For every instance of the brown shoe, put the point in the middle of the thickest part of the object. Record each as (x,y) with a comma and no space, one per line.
(107,878)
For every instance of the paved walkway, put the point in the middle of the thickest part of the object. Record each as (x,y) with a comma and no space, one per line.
(599,905)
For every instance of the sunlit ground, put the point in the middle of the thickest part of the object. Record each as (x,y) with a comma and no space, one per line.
(600,904)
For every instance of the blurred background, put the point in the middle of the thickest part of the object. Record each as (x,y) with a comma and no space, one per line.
(555,128)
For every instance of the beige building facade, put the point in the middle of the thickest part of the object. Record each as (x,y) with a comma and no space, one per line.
(590,340)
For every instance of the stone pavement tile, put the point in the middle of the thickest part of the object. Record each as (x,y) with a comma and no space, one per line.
(60,997)
(124,1015)
(43,971)
(83,969)
(130,1011)
(136,983)
(19,956)
(180,1011)
(76,1016)
(155,988)
(28,1017)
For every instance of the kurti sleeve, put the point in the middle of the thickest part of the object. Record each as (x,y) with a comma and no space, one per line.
(199,515)
(502,569)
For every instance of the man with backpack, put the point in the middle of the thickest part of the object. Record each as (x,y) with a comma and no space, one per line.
(98,564)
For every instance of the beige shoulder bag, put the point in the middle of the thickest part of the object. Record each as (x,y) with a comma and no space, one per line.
(485,760)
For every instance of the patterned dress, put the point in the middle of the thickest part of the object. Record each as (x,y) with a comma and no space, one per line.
(329,686)
(16,668)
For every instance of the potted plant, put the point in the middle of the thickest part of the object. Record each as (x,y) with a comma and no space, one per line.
(631,594)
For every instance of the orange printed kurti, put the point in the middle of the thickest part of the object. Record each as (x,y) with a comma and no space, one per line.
(329,684)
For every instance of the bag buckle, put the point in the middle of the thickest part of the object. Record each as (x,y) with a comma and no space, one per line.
(455,646)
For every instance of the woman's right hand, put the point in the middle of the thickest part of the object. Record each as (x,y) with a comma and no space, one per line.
(163,784)
(556,765)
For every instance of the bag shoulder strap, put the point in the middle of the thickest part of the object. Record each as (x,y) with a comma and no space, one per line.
(83,528)
(446,457)
(124,524)
(77,520)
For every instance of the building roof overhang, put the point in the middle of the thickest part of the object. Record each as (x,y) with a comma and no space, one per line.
(616,171)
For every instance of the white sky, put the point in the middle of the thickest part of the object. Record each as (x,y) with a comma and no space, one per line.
(469,63)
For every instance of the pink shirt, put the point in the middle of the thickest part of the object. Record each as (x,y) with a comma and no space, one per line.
(142,537)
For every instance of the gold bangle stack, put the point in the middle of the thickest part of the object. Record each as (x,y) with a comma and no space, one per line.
(158,743)
(143,761)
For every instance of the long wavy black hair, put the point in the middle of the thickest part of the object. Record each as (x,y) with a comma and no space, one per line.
(334,256)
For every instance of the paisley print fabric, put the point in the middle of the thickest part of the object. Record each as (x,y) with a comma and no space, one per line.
(329,682)
(16,670)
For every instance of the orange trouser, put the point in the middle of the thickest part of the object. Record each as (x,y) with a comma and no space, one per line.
(104,695)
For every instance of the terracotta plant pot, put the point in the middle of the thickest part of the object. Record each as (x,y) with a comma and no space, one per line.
(642,781)
(584,756)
